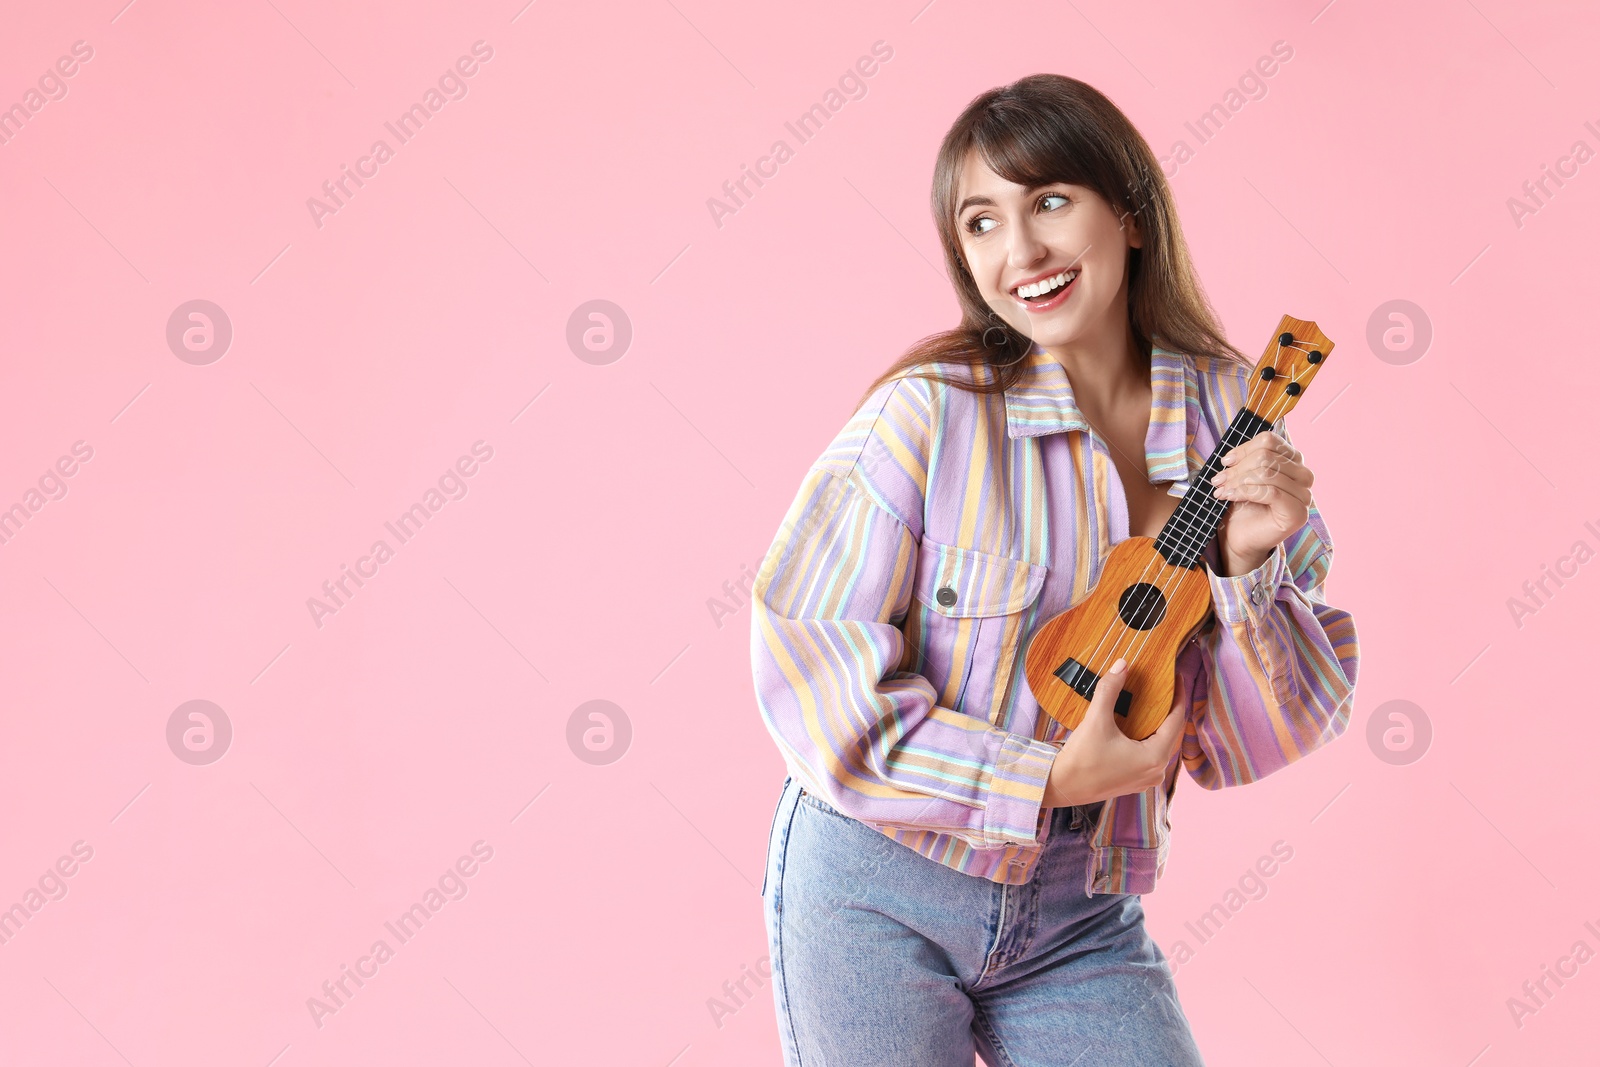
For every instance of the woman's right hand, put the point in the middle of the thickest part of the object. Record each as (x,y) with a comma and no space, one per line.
(1098,761)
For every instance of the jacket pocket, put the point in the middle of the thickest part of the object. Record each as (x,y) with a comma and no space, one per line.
(975,608)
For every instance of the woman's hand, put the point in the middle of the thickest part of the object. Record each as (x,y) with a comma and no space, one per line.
(1270,490)
(1098,761)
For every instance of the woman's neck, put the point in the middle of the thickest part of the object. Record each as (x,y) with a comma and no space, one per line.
(1106,375)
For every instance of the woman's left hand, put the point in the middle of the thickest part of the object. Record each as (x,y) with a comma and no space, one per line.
(1270,493)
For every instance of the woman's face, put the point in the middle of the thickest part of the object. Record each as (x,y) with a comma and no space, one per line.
(1013,236)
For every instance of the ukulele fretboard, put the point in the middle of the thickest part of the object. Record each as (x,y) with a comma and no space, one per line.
(1186,534)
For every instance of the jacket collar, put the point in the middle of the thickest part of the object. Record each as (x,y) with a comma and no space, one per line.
(1041,403)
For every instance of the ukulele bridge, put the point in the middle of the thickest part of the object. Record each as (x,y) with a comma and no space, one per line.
(1083,681)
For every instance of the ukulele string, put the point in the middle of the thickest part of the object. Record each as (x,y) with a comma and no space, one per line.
(1188,541)
(1157,559)
(1139,641)
(1175,575)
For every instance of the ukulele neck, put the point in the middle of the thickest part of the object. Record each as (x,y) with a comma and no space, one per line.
(1184,538)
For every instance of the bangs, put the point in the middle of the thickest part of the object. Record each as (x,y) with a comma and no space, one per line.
(1031,147)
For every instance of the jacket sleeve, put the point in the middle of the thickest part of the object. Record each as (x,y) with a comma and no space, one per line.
(1274,675)
(827,646)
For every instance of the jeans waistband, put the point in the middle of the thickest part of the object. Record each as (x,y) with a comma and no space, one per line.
(1071,817)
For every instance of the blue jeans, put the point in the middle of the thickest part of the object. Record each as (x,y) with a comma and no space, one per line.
(884,958)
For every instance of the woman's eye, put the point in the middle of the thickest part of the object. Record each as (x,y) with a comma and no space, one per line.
(974,224)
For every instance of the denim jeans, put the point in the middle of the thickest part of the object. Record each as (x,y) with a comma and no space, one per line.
(884,958)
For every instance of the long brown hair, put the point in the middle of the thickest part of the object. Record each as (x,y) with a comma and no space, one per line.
(1051,128)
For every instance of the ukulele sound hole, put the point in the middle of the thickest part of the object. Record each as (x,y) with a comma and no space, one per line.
(1142,606)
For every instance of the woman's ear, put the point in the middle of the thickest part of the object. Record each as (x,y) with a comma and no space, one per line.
(1130,226)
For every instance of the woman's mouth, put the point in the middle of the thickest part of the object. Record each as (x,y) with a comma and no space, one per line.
(1047,294)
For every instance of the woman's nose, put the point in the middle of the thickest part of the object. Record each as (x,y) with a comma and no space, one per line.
(1026,248)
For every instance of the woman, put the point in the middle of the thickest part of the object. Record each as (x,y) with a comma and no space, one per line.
(949,869)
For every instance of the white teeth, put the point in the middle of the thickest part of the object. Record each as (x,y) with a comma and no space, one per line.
(1040,288)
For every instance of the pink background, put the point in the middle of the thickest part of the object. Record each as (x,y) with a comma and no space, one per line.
(432,310)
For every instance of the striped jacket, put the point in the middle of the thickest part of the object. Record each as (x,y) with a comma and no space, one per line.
(914,716)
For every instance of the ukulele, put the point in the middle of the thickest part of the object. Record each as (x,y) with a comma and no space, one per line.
(1154,593)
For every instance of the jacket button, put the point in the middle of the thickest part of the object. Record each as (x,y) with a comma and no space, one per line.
(946,596)
(1255,594)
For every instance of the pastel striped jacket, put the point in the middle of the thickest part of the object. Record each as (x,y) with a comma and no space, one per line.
(914,716)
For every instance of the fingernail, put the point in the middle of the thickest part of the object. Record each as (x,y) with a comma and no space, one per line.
(1116,668)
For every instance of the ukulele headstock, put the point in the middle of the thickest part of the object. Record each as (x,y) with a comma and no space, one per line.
(1294,355)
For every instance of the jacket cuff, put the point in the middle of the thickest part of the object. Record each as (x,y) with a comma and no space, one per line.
(1015,812)
(1247,598)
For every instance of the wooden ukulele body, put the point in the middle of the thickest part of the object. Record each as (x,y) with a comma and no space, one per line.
(1143,609)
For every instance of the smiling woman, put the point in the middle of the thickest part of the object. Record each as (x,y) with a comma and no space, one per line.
(950,870)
